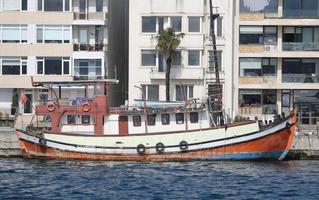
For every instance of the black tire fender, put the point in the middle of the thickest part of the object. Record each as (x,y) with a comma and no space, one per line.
(183,145)
(140,149)
(160,147)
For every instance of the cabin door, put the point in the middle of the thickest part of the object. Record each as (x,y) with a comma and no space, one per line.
(123,125)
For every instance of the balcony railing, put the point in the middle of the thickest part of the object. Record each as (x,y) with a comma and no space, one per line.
(89,47)
(258,110)
(309,13)
(300,46)
(300,78)
(90,16)
(87,77)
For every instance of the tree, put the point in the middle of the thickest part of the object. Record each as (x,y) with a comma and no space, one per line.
(167,42)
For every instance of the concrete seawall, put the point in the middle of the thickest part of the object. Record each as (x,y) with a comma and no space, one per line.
(304,146)
(9,143)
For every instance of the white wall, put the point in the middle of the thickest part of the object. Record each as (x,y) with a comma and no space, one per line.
(192,41)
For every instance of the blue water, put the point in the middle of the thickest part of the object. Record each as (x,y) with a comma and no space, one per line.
(37,179)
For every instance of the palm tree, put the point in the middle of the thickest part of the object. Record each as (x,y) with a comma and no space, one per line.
(167,42)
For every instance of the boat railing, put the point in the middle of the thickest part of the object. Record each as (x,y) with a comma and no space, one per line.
(64,101)
(130,110)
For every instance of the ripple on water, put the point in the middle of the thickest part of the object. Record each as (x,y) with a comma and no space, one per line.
(37,179)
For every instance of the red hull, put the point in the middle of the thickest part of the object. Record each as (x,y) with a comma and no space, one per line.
(272,146)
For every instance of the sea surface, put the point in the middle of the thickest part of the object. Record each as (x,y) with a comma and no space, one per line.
(38,179)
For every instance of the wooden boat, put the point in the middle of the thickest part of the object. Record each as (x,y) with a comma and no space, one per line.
(91,130)
(88,129)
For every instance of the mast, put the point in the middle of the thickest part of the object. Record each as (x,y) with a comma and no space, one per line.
(214,93)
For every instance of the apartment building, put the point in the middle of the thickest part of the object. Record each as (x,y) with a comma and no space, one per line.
(276,58)
(189,74)
(50,40)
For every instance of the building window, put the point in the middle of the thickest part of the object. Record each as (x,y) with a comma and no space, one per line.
(24,4)
(14,33)
(11,5)
(211,60)
(148,58)
(153,24)
(193,116)
(258,35)
(53,5)
(300,70)
(257,66)
(88,69)
(149,24)
(151,120)
(267,6)
(13,65)
(137,120)
(176,24)
(285,98)
(301,38)
(270,35)
(52,65)
(194,24)
(184,92)
(151,92)
(165,118)
(71,119)
(249,98)
(300,8)
(85,119)
(179,118)
(53,34)
(194,58)
(99,6)
(219,27)
(177,59)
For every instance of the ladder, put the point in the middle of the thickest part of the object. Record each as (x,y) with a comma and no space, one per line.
(214,86)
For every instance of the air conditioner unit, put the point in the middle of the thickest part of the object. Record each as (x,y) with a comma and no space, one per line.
(269,48)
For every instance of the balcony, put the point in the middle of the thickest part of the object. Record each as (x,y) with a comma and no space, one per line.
(300,78)
(87,77)
(179,73)
(89,16)
(258,80)
(300,46)
(89,47)
(257,48)
(258,110)
(299,14)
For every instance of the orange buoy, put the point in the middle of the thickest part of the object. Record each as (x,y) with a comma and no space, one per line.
(86,107)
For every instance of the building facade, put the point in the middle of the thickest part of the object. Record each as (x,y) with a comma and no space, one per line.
(50,40)
(276,58)
(189,72)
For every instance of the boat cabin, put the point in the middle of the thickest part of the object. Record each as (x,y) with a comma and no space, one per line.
(91,115)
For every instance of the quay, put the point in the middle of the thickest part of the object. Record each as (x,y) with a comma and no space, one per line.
(9,143)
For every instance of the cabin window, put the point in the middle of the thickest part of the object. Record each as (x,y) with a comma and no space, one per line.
(151,119)
(193,117)
(165,119)
(137,121)
(71,119)
(85,119)
(179,118)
